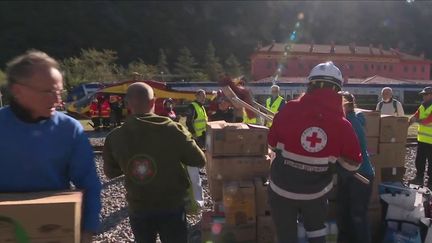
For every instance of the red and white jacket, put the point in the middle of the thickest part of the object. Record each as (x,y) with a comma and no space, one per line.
(309,134)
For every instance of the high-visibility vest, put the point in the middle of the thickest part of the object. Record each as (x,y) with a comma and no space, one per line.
(425,131)
(273,107)
(248,120)
(200,123)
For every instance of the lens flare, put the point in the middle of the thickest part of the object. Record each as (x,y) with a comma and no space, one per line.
(216,228)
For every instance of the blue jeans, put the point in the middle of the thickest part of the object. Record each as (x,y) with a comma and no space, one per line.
(353,199)
(171,225)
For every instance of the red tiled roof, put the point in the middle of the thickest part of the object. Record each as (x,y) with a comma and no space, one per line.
(338,50)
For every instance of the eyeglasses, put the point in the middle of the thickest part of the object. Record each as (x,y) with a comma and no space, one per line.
(55,93)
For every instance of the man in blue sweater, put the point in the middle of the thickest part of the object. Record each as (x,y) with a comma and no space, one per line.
(42,149)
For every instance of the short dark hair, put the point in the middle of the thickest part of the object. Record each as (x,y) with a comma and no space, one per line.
(23,66)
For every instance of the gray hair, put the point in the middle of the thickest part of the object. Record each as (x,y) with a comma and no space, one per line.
(23,66)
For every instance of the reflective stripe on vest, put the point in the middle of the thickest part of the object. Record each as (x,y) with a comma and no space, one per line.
(200,122)
(300,196)
(425,131)
(247,120)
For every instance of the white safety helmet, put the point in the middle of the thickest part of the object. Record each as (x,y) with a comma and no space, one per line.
(326,72)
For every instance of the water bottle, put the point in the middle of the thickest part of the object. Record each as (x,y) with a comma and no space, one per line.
(332,232)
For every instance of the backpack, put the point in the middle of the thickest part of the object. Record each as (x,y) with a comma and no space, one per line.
(381,103)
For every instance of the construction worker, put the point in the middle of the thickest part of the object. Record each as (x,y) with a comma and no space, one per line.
(353,196)
(105,112)
(275,102)
(150,151)
(423,117)
(389,105)
(43,149)
(196,118)
(309,136)
(116,110)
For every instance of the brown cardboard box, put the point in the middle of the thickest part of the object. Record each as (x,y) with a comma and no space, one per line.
(390,155)
(44,216)
(372,145)
(239,202)
(215,230)
(238,168)
(391,174)
(236,139)
(266,232)
(393,129)
(372,126)
(215,188)
(261,196)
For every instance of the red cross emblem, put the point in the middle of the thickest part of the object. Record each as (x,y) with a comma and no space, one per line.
(313,139)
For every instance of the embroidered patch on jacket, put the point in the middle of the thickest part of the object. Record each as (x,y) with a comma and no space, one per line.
(313,139)
(142,169)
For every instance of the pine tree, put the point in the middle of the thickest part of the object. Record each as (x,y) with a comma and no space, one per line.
(233,67)
(185,65)
(212,67)
(162,64)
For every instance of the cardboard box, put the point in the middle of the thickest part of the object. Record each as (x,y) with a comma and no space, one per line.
(390,155)
(266,232)
(372,125)
(214,229)
(261,196)
(44,216)
(239,202)
(391,174)
(393,129)
(372,145)
(238,168)
(236,139)
(215,188)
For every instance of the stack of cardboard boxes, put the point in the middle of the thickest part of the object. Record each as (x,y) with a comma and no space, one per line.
(386,139)
(237,168)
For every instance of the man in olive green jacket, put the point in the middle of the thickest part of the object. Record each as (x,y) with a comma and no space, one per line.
(149,150)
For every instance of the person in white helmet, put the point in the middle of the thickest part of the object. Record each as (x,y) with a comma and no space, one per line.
(310,137)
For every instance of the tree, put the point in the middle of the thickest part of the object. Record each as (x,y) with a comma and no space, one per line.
(185,65)
(145,71)
(212,67)
(233,67)
(162,64)
(91,66)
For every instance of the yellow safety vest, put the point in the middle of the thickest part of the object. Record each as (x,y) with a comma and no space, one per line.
(247,120)
(200,122)
(273,107)
(425,131)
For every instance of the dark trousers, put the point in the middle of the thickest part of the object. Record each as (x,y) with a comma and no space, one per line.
(170,224)
(424,152)
(285,213)
(353,199)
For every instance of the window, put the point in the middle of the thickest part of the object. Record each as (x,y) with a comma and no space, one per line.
(391,68)
(366,67)
(414,69)
(351,67)
(405,69)
(385,67)
(378,67)
(422,69)
(372,66)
